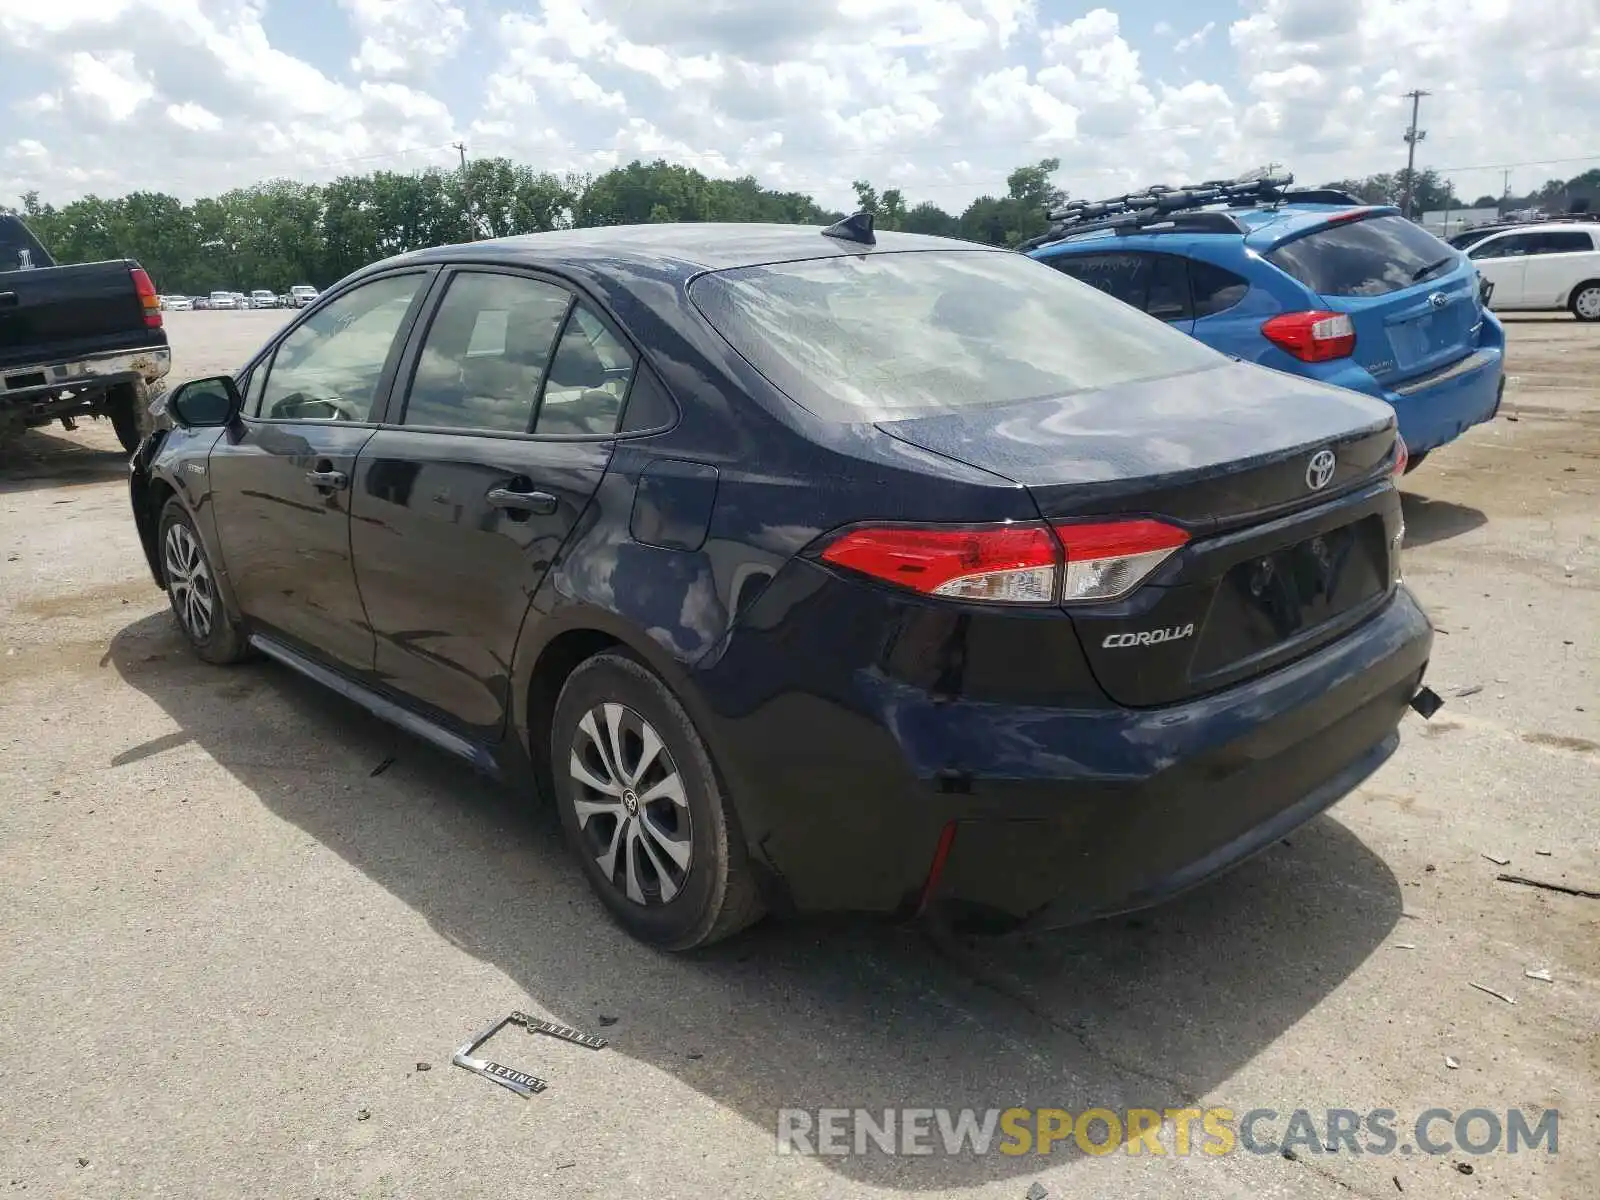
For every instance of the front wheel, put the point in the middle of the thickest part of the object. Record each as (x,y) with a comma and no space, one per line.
(1585,303)
(191,585)
(643,810)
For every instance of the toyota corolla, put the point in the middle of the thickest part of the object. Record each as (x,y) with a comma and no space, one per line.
(808,570)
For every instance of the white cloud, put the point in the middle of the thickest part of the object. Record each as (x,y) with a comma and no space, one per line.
(1194,40)
(940,98)
(404,39)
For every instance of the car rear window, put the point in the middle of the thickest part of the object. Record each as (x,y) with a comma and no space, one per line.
(864,337)
(1371,257)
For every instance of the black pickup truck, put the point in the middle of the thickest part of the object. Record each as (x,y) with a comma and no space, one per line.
(76,341)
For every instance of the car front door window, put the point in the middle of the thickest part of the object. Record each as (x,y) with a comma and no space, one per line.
(1511,246)
(328,367)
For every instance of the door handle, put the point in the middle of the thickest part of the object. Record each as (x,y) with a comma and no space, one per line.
(336,480)
(539,503)
(8,300)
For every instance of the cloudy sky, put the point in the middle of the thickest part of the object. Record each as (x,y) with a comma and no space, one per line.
(938,97)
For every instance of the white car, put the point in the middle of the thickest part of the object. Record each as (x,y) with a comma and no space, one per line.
(261,298)
(303,294)
(1544,267)
(176,303)
(223,300)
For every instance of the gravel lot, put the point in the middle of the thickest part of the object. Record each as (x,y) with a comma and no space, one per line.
(228,946)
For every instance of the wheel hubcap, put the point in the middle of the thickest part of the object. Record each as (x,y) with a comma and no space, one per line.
(189,582)
(630,803)
(1589,302)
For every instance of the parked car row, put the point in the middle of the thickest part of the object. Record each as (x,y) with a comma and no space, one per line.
(296,297)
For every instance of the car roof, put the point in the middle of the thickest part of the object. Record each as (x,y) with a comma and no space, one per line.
(681,250)
(1264,227)
(1539,227)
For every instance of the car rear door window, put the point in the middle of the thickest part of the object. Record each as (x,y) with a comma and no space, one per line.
(485,353)
(1215,288)
(329,366)
(1155,283)
(589,379)
(1369,257)
(1561,242)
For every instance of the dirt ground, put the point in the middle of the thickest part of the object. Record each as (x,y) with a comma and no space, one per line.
(229,944)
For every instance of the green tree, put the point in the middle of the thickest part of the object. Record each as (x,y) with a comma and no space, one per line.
(928,217)
(1022,213)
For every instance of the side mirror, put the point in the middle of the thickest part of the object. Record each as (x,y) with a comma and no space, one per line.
(205,403)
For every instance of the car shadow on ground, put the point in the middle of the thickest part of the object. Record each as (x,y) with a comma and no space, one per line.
(38,459)
(1429,521)
(1152,1011)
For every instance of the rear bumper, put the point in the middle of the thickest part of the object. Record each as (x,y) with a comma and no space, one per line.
(1060,814)
(1439,407)
(1434,411)
(147,364)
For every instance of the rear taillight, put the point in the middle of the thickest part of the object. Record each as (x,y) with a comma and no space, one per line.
(148,300)
(1014,563)
(1315,336)
(1108,559)
(1402,457)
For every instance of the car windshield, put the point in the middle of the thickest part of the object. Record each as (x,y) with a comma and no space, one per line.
(1365,258)
(863,337)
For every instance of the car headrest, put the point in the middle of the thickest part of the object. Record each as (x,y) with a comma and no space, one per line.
(577,365)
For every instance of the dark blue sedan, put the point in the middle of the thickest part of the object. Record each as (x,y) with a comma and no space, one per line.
(808,570)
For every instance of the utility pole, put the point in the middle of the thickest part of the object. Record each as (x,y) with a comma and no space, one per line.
(466,191)
(1413,136)
(1505,191)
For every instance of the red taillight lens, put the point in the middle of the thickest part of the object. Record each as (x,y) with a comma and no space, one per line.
(1402,456)
(1315,336)
(1108,559)
(148,300)
(1014,563)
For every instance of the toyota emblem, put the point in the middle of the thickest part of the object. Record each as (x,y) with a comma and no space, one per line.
(1320,470)
(1438,299)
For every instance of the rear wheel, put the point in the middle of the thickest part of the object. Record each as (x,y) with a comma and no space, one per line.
(1585,302)
(643,810)
(192,589)
(123,405)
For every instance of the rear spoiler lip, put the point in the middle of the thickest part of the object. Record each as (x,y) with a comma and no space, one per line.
(1343,217)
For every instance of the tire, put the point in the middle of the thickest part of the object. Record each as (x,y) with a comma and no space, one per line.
(191,584)
(124,405)
(1585,302)
(679,876)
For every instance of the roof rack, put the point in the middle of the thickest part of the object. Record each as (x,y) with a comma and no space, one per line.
(1159,208)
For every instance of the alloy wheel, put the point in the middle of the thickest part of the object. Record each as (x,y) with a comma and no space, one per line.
(1588,303)
(630,804)
(189,581)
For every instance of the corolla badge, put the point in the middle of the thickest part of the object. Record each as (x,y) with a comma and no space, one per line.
(1320,470)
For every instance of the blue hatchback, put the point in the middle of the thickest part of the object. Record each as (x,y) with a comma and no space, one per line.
(1351,295)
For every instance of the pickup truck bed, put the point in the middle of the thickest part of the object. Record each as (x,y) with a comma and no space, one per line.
(75,341)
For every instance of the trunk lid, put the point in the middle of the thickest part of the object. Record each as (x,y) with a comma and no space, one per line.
(57,314)
(1275,566)
(1415,330)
